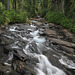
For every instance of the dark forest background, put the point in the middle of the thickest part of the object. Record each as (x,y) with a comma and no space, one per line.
(60,12)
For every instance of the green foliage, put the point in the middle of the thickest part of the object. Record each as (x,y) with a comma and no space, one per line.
(1,19)
(7,20)
(59,18)
(54,17)
(13,16)
(1,6)
(32,13)
(21,17)
(73,28)
(43,12)
(67,23)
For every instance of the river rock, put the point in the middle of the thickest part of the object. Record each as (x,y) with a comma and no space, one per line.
(67,49)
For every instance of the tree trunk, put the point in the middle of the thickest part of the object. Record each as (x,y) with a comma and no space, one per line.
(62,6)
(14,4)
(8,5)
(53,5)
(22,4)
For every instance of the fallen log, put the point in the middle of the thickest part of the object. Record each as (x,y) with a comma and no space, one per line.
(64,43)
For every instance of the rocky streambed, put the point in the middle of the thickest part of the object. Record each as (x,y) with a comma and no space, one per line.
(37,49)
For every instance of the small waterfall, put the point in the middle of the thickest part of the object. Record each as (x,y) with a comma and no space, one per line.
(35,33)
(38,39)
(44,67)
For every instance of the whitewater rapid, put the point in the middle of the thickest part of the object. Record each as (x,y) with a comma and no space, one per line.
(44,66)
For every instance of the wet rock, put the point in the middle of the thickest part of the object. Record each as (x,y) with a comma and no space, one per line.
(21,55)
(22,68)
(49,32)
(4,69)
(33,48)
(53,60)
(0,31)
(38,23)
(67,33)
(68,44)
(5,41)
(24,60)
(67,49)
(3,26)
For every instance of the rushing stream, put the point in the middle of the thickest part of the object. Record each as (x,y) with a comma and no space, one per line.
(50,60)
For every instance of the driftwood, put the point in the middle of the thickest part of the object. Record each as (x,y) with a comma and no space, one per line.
(64,43)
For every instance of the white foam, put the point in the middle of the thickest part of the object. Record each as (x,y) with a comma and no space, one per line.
(67,63)
(10,56)
(9,37)
(13,28)
(15,47)
(29,29)
(35,33)
(7,64)
(24,38)
(39,39)
(33,21)
(39,72)
(46,68)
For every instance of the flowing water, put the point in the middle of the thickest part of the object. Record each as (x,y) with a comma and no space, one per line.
(45,64)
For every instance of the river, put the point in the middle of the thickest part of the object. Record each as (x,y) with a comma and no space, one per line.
(27,39)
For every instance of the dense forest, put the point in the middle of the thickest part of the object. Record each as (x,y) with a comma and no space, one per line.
(60,12)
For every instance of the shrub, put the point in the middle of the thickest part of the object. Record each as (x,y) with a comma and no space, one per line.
(73,28)
(1,20)
(43,12)
(7,20)
(6,16)
(54,17)
(2,7)
(59,18)
(13,16)
(25,16)
(67,23)
(18,18)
